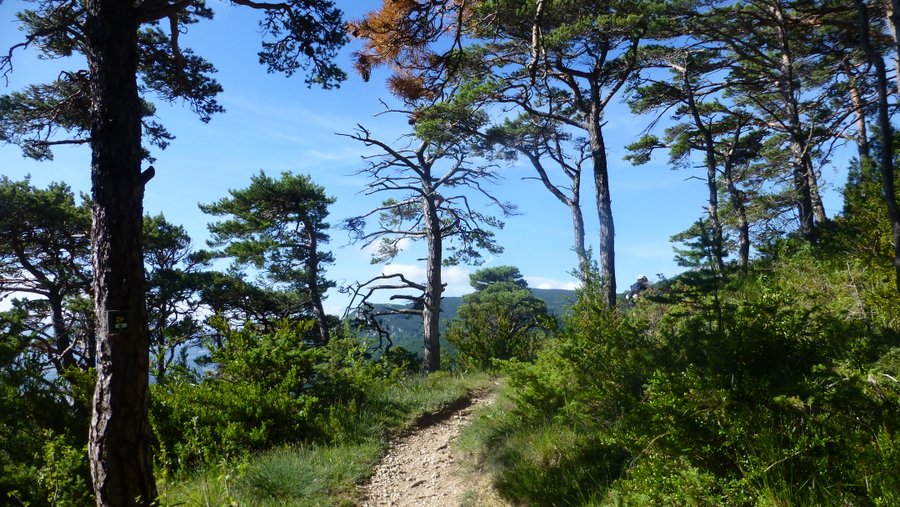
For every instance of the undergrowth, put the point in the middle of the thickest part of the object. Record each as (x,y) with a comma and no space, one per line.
(325,470)
(778,388)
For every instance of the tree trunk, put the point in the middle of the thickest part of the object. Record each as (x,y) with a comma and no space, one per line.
(815,196)
(315,292)
(431,311)
(574,205)
(119,443)
(743,224)
(806,209)
(709,148)
(63,357)
(862,136)
(64,353)
(802,195)
(886,133)
(584,262)
(604,212)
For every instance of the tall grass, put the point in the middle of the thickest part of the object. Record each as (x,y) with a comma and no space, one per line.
(326,472)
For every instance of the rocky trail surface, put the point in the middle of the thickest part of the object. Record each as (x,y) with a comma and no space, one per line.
(421,469)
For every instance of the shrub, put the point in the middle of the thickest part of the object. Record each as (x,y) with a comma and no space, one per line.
(263,390)
(501,320)
(255,395)
(755,392)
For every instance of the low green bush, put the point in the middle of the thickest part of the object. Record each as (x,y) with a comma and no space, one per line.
(751,393)
(261,391)
(501,320)
(349,440)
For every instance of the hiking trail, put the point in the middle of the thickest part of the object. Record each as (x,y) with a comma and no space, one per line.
(421,469)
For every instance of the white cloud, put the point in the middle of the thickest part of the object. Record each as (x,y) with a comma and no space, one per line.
(334,308)
(414,272)
(6,301)
(539,282)
(457,280)
(456,277)
(372,249)
(263,113)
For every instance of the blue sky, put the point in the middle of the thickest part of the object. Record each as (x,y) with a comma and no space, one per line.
(276,124)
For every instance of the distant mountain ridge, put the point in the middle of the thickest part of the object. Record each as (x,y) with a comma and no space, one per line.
(406,330)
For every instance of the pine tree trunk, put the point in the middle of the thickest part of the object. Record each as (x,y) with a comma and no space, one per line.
(802,196)
(604,212)
(574,205)
(63,357)
(584,263)
(862,136)
(815,196)
(743,224)
(804,199)
(64,353)
(711,177)
(119,444)
(431,311)
(315,292)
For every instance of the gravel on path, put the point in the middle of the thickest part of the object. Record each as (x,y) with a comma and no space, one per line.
(420,470)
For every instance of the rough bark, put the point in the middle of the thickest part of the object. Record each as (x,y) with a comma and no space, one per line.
(604,211)
(119,444)
(431,310)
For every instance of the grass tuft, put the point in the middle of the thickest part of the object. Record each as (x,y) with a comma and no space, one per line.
(328,472)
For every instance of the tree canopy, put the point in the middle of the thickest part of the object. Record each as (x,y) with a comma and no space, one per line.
(278,227)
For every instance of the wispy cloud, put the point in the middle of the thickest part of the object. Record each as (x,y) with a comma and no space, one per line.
(340,154)
(267,113)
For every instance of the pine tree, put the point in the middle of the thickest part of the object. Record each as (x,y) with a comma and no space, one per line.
(121,42)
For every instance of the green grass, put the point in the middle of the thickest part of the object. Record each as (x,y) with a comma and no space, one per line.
(324,473)
(404,403)
(307,476)
(289,476)
(550,463)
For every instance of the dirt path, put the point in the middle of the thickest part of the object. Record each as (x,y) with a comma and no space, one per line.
(420,470)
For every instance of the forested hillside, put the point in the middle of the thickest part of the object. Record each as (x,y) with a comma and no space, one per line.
(138,367)
(406,330)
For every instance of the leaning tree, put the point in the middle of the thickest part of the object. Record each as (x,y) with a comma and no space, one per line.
(278,226)
(124,41)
